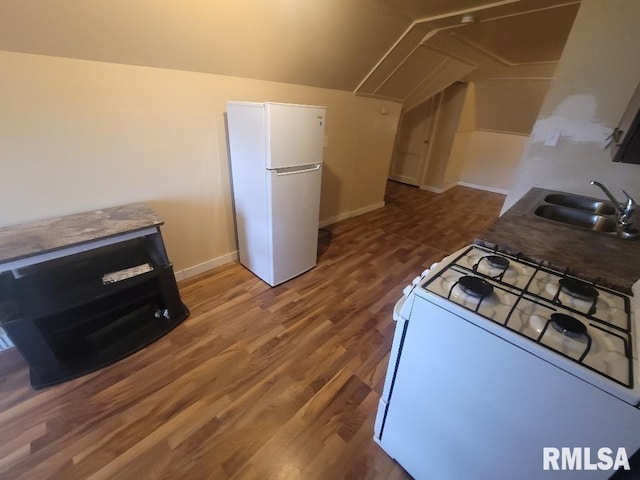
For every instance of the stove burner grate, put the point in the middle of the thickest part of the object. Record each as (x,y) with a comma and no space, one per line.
(571,328)
(498,262)
(578,289)
(475,287)
(523,294)
(567,325)
(495,262)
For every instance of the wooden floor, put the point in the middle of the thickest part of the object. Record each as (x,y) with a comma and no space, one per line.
(259,382)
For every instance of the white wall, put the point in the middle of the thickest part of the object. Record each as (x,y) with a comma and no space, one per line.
(490,159)
(443,169)
(77,135)
(597,74)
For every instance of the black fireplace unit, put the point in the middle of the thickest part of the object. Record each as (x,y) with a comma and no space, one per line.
(88,307)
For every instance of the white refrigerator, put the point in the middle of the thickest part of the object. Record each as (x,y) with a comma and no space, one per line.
(276,168)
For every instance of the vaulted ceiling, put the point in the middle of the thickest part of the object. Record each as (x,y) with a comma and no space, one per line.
(404,50)
(510,39)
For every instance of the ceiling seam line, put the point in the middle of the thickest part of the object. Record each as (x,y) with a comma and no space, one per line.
(528,12)
(466,11)
(402,62)
(429,79)
(384,57)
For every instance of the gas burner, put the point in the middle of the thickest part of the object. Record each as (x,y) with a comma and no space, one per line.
(578,289)
(498,262)
(568,325)
(475,286)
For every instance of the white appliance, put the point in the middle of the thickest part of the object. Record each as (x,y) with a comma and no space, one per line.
(495,358)
(276,161)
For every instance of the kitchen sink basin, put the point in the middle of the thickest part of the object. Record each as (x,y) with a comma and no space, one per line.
(576,216)
(587,204)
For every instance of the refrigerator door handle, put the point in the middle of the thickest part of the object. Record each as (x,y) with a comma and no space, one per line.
(294,170)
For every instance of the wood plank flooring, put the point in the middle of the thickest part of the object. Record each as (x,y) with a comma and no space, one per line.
(259,382)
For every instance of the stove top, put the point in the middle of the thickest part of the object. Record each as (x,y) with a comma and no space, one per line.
(585,323)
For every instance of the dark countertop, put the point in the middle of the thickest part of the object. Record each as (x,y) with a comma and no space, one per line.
(597,257)
(25,240)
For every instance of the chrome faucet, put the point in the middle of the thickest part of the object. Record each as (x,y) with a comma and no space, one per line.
(624,212)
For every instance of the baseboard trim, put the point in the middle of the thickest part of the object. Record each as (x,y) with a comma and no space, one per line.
(484,187)
(336,219)
(352,213)
(429,188)
(367,209)
(205,266)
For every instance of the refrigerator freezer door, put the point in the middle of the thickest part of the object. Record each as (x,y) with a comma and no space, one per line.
(294,210)
(295,135)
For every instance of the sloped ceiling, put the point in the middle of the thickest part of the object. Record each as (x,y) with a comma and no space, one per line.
(404,50)
(509,38)
(323,43)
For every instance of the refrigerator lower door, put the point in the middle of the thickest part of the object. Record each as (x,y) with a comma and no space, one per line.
(294,195)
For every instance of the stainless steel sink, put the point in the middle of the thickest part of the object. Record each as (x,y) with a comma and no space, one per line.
(587,204)
(577,217)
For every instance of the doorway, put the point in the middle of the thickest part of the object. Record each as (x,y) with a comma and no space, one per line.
(413,141)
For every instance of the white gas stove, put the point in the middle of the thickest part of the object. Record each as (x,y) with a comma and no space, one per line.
(483,333)
(585,328)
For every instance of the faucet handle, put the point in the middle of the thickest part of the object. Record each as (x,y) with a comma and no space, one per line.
(630,203)
(629,207)
(626,228)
